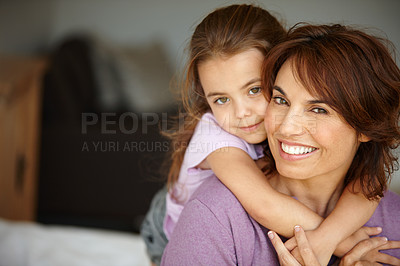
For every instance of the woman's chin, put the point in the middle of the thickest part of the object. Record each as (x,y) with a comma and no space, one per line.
(291,173)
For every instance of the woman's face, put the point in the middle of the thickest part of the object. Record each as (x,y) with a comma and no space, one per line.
(307,138)
(232,86)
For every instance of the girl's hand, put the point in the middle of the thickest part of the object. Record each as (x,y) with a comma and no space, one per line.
(322,246)
(306,252)
(361,234)
(367,253)
(321,243)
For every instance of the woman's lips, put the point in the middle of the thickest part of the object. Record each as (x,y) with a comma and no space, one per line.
(292,152)
(251,128)
(296,149)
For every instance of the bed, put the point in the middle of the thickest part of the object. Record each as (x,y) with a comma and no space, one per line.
(34,244)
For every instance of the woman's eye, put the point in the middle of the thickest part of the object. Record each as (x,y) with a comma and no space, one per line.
(221,100)
(319,110)
(280,100)
(255,90)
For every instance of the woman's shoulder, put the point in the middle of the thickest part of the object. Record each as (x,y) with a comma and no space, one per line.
(390,200)
(217,224)
(221,203)
(387,215)
(389,206)
(214,194)
(214,205)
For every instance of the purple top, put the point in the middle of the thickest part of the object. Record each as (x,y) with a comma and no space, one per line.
(214,229)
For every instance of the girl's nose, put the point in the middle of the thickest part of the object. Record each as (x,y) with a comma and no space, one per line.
(242,110)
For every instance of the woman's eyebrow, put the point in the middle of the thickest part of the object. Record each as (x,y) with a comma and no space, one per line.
(277,88)
(316,101)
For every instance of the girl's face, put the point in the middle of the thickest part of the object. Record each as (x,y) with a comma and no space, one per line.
(232,86)
(307,138)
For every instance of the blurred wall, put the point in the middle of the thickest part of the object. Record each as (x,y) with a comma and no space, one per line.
(28,27)
(31,26)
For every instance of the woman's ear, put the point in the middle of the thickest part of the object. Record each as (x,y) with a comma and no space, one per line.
(363,138)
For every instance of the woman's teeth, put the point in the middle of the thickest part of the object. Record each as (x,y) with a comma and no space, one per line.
(296,150)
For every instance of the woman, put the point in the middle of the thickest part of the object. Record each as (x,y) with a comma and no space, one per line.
(332,119)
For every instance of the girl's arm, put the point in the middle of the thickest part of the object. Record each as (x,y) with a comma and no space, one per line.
(272,209)
(351,212)
(335,234)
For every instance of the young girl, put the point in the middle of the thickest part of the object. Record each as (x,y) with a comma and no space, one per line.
(223,134)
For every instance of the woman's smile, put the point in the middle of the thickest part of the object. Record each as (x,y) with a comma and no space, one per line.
(295,149)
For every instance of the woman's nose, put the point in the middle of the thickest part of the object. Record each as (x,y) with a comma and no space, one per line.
(291,124)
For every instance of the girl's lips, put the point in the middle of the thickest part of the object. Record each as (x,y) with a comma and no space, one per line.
(251,128)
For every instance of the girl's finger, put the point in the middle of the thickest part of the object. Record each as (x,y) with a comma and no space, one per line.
(363,247)
(296,254)
(304,247)
(390,245)
(372,231)
(364,233)
(387,259)
(285,258)
(291,243)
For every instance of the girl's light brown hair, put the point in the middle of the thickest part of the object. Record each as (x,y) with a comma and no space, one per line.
(354,73)
(225,32)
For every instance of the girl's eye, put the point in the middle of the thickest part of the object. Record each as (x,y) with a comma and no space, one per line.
(222,100)
(255,90)
(319,110)
(280,100)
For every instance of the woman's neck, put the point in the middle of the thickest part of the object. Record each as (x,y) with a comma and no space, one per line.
(320,194)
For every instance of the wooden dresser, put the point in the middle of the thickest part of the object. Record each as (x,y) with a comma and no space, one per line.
(20,107)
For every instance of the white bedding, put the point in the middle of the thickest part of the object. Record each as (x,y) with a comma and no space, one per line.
(32,244)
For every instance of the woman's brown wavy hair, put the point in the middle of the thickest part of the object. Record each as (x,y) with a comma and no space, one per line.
(355,74)
(225,32)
